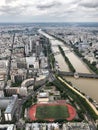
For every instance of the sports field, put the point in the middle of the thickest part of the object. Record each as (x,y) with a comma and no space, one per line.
(55,112)
(52,111)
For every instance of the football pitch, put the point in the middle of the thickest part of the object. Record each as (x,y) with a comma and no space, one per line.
(52,112)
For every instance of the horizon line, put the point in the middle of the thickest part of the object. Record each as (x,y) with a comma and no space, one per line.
(49,22)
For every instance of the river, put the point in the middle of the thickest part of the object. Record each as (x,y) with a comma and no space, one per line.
(86,85)
(59,58)
(78,64)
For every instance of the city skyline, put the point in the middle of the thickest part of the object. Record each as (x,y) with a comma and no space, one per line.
(48,11)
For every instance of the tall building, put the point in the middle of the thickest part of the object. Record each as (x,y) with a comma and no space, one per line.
(38,48)
(26,49)
(30,44)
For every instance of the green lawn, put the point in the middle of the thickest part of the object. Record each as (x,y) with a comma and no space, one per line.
(55,112)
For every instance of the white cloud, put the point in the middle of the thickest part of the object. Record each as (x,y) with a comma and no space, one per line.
(51,10)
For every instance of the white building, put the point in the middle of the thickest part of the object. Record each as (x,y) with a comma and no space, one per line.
(27,49)
(30,44)
(43,97)
(32,61)
(9,112)
(23,91)
(7,127)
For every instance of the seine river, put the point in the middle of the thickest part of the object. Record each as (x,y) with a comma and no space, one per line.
(76,62)
(88,86)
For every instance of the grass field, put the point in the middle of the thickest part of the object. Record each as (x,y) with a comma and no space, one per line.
(52,112)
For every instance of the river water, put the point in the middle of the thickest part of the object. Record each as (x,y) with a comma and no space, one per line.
(59,58)
(76,62)
(86,85)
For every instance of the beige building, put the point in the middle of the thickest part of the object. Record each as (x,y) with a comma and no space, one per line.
(43,97)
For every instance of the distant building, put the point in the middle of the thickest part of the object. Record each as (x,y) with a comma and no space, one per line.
(27,49)
(30,44)
(83,46)
(38,48)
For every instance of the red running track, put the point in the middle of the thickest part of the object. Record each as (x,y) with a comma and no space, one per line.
(32,111)
(72,112)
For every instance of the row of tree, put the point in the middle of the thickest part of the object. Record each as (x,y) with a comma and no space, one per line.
(66,59)
(91,66)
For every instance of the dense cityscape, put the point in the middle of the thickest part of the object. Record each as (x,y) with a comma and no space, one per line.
(47,75)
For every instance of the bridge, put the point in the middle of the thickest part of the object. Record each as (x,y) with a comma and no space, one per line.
(83,75)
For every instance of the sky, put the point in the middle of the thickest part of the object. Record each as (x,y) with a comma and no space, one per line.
(48,10)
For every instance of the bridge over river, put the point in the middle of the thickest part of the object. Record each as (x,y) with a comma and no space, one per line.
(84,75)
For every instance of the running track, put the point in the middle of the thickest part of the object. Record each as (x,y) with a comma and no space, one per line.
(32,111)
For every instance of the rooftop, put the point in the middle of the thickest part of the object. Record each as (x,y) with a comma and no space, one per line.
(77,126)
(6,127)
(43,94)
(11,104)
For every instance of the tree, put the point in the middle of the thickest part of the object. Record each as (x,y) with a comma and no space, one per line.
(94,63)
(90,44)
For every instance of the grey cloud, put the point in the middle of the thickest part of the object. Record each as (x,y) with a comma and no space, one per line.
(76,10)
(47,6)
(89,4)
(11,10)
(76,1)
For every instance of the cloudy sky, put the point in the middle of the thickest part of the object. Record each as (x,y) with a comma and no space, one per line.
(48,10)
